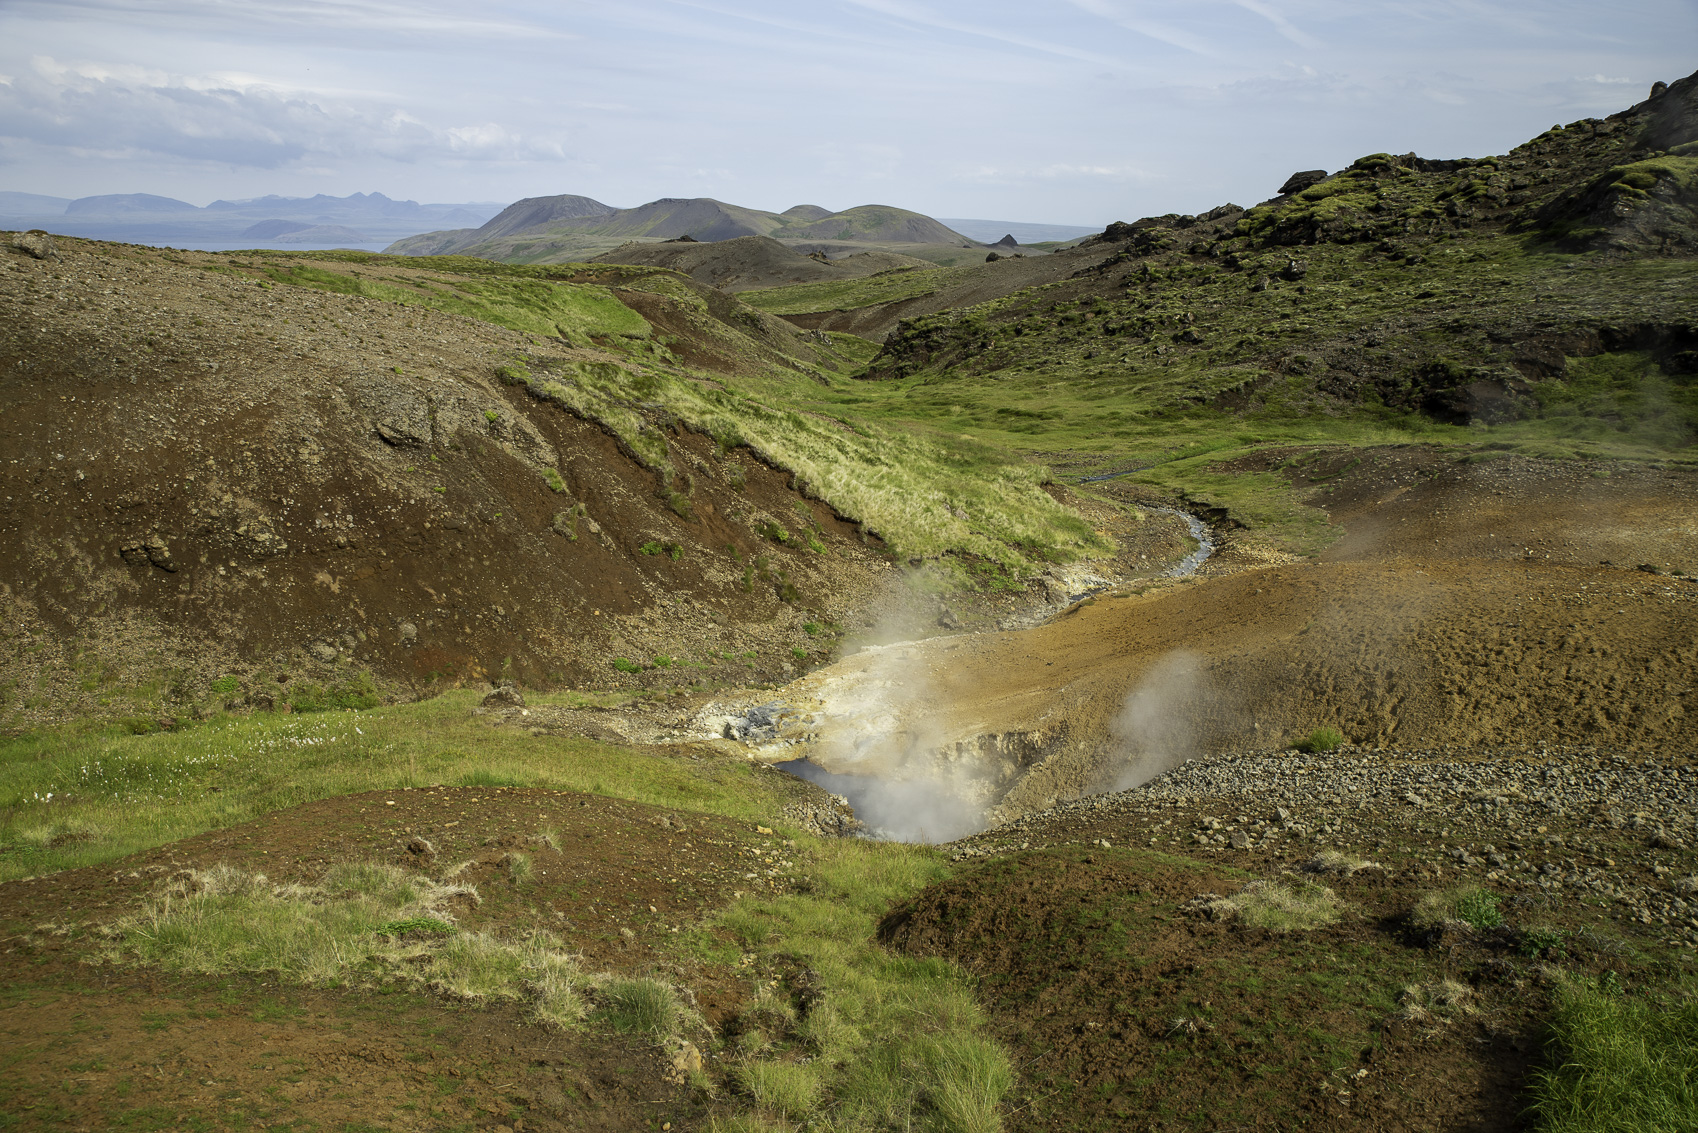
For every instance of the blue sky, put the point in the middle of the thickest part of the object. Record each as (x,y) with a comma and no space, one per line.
(1068,112)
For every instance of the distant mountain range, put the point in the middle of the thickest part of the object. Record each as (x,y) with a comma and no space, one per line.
(534,229)
(362,219)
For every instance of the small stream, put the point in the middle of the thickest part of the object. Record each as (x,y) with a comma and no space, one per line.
(1201,533)
(1199,530)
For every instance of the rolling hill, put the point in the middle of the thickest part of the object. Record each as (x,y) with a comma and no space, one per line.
(745,263)
(550,229)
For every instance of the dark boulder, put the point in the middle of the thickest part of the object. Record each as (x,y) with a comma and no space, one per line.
(1297,182)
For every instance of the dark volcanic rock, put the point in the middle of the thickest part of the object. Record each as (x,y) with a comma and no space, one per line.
(1297,182)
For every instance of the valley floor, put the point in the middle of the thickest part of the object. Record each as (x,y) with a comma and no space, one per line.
(1509,826)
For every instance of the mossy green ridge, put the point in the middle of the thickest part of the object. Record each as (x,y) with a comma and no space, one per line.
(1400,299)
(572,312)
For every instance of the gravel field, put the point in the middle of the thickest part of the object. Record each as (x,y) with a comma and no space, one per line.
(1608,829)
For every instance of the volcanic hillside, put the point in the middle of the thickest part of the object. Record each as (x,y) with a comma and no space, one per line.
(1458,289)
(272,480)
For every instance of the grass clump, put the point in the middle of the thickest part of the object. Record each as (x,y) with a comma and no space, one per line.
(223,919)
(428,925)
(788,1091)
(1336,864)
(1321,739)
(642,1007)
(1619,1063)
(1284,904)
(892,1041)
(1437,1001)
(362,923)
(1469,906)
(1541,940)
(357,691)
(60,834)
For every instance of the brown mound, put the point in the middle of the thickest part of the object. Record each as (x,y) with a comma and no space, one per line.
(224,1049)
(131,1049)
(209,477)
(1125,1009)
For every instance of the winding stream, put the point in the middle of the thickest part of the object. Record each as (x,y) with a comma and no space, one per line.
(1200,532)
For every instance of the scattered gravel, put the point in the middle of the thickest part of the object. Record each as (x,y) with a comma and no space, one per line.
(1608,829)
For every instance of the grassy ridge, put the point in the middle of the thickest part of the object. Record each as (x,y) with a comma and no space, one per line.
(72,798)
(927,496)
(889,1042)
(572,312)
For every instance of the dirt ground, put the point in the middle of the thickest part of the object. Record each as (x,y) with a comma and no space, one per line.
(98,1045)
(1132,1012)
(1501,603)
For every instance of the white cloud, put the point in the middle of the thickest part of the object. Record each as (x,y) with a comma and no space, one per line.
(1152,29)
(312,17)
(1280,23)
(234,119)
(915,14)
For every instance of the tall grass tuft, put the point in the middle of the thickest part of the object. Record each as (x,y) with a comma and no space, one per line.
(1619,1063)
(788,1091)
(1286,904)
(361,922)
(898,1041)
(642,1007)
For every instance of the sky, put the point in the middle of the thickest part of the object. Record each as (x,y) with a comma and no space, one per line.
(1063,112)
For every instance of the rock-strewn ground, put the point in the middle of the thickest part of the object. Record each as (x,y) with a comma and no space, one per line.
(1614,832)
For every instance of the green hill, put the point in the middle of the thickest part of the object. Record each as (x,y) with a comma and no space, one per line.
(1540,298)
(544,228)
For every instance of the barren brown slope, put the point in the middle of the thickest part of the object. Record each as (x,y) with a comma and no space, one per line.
(1465,605)
(750,262)
(209,476)
(615,880)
